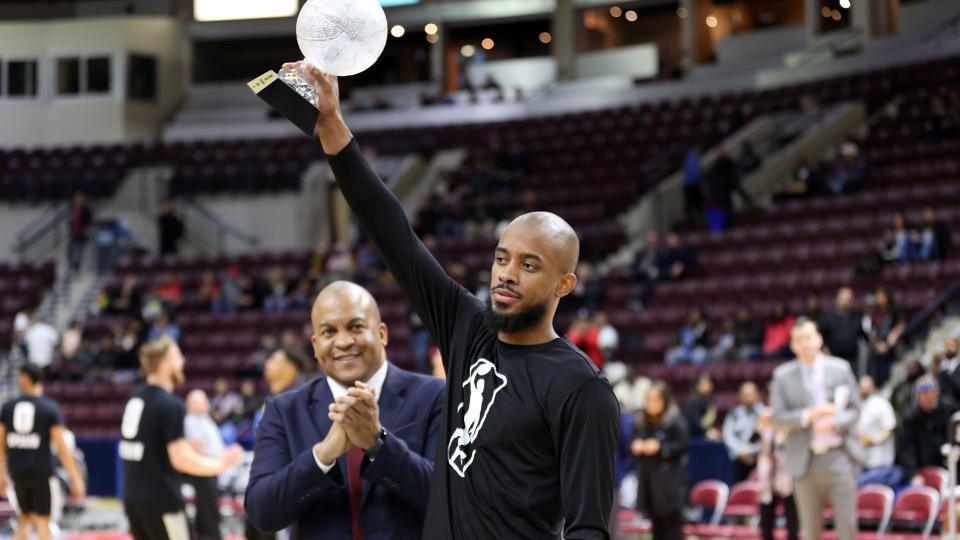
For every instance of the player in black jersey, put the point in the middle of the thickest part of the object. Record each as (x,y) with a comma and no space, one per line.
(154,450)
(30,423)
(530,426)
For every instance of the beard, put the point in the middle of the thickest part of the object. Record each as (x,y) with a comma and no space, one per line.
(178,377)
(513,322)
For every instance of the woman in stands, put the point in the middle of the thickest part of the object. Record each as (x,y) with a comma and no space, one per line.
(660,444)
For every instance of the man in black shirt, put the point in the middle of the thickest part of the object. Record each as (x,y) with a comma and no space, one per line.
(170,227)
(29,424)
(154,450)
(842,328)
(923,430)
(529,425)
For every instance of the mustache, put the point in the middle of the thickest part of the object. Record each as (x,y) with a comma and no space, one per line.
(506,287)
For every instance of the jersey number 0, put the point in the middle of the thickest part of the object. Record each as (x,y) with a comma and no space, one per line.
(131,418)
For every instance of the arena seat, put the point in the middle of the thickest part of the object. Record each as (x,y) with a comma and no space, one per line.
(916,506)
(743,502)
(711,494)
(937,478)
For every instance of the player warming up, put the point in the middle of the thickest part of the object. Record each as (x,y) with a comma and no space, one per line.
(154,450)
(529,425)
(30,423)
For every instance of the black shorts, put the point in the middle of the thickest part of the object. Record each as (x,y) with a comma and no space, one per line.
(34,495)
(152,526)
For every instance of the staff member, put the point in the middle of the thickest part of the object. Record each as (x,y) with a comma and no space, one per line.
(815,399)
(29,424)
(660,444)
(154,450)
(349,454)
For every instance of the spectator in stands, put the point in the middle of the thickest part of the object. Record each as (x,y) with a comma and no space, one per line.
(70,344)
(812,309)
(725,348)
(776,338)
(41,340)
(252,399)
(923,430)
(21,323)
(886,326)
(223,401)
(842,328)
(645,265)
(748,334)
(302,295)
(677,259)
(267,346)
(935,237)
(276,299)
(164,326)
(740,433)
(587,294)
(585,334)
(692,182)
(700,412)
(875,427)
(939,124)
(202,434)
(238,291)
(902,396)
(722,182)
(80,220)
(170,290)
(903,248)
(152,305)
(608,338)
(283,371)
(806,181)
(127,300)
(209,294)
(369,265)
(776,485)
(660,440)
(948,376)
(170,228)
(849,173)
(690,345)
(339,263)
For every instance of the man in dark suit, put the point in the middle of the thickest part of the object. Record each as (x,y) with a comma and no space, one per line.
(350,454)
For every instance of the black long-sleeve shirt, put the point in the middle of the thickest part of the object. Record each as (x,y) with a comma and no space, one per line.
(921,436)
(530,431)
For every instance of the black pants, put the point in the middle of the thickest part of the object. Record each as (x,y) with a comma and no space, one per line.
(207,500)
(692,200)
(667,526)
(768,517)
(741,471)
(153,526)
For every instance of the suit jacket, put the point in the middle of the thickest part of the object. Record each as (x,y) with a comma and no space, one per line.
(288,488)
(789,400)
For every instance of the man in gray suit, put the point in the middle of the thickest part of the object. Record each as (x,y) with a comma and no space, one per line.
(815,398)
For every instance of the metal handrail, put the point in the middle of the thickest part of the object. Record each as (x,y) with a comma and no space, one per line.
(40,228)
(223,228)
(942,28)
(920,318)
(831,44)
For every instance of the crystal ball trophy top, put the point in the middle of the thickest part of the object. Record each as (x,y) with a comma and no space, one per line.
(340,37)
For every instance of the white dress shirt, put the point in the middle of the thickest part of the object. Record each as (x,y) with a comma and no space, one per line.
(339,390)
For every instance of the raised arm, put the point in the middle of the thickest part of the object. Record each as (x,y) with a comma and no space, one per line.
(437,298)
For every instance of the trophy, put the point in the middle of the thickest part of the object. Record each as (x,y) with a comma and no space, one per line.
(341,37)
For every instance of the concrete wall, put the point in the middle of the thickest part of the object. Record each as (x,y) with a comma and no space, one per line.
(924,16)
(759,43)
(13,218)
(274,219)
(636,61)
(527,73)
(49,119)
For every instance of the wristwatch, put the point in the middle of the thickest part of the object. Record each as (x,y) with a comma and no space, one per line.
(371,452)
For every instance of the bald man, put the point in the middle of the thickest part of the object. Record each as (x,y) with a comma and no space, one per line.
(204,436)
(529,426)
(349,454)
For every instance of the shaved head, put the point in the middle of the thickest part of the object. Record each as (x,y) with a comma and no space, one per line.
(349,338)
(344,292)
(558,234)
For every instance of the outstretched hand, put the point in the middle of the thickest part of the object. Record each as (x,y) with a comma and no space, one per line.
(333,132)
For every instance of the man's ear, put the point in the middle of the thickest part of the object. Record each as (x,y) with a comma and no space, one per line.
(566,285)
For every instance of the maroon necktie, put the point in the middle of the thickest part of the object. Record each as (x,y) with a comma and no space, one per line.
(355,485)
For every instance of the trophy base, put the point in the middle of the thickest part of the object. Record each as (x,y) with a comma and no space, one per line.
(290,96)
